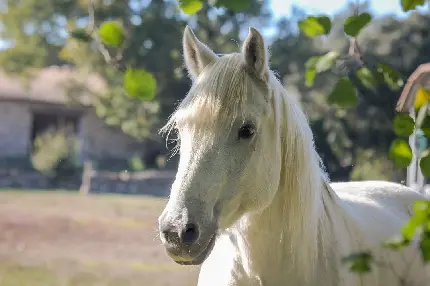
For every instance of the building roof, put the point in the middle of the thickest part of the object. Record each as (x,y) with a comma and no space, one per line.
(419,78)
(50,85)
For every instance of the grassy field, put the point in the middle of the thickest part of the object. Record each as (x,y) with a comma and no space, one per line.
(64,239)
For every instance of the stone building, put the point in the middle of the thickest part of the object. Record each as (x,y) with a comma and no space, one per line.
(30,107)
(27,108)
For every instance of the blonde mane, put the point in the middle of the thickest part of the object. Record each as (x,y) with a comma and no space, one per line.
(299,201)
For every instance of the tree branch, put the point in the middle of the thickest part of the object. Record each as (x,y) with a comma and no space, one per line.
(115,61)
(355,52)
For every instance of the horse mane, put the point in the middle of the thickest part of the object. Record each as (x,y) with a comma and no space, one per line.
(302,185)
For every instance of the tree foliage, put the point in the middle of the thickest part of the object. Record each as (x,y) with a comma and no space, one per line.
(135,47)
(354,24)
(315,26)
(145,81)
(344,92)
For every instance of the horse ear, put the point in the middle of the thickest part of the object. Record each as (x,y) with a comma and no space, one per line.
(255,54)
(196,54)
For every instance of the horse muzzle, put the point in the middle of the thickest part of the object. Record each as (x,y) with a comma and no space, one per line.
(187,244)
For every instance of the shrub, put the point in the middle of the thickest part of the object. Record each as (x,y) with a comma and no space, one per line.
(55,153)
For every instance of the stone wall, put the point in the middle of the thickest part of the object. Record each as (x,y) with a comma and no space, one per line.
(97,140)
(154,183)
(15,125)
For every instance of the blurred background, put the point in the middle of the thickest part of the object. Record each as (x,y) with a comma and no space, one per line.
(83,171)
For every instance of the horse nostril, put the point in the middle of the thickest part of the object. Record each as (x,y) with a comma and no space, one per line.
(171,237)
(190,234)
(187,236)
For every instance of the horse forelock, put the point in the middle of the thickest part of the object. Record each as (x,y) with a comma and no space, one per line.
(216,98)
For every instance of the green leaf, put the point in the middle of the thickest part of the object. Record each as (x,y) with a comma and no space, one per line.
(311,71)
(390,76)
(425,125)
(139,83)
(81,35)
(311,62)
(396,243)
(359,262)
(403,125)
(112,33)
(421,97)
(344,94)
(326,61)
(315,26)
(317,64)
(190,6)
(400,153)
(366,77)
(425,246)
(408,5)
(236,5)
(354,24)
(421,208)
(425,165)
(410,228)
(310,75)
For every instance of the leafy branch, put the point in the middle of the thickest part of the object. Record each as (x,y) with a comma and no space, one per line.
(344,95)
(193,6)
(111,35)
(418,225)
(357,75)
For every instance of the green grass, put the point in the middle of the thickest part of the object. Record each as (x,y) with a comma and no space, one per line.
(18,275)
(62,238)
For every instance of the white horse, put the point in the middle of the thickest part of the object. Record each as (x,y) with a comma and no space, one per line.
(251,201)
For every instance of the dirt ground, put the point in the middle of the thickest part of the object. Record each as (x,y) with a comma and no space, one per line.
(58,238)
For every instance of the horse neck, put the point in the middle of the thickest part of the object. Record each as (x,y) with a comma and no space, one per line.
(288,231)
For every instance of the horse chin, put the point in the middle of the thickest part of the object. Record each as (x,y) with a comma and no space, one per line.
(201,257)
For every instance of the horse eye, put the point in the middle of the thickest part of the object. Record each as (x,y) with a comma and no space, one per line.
(246,131)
